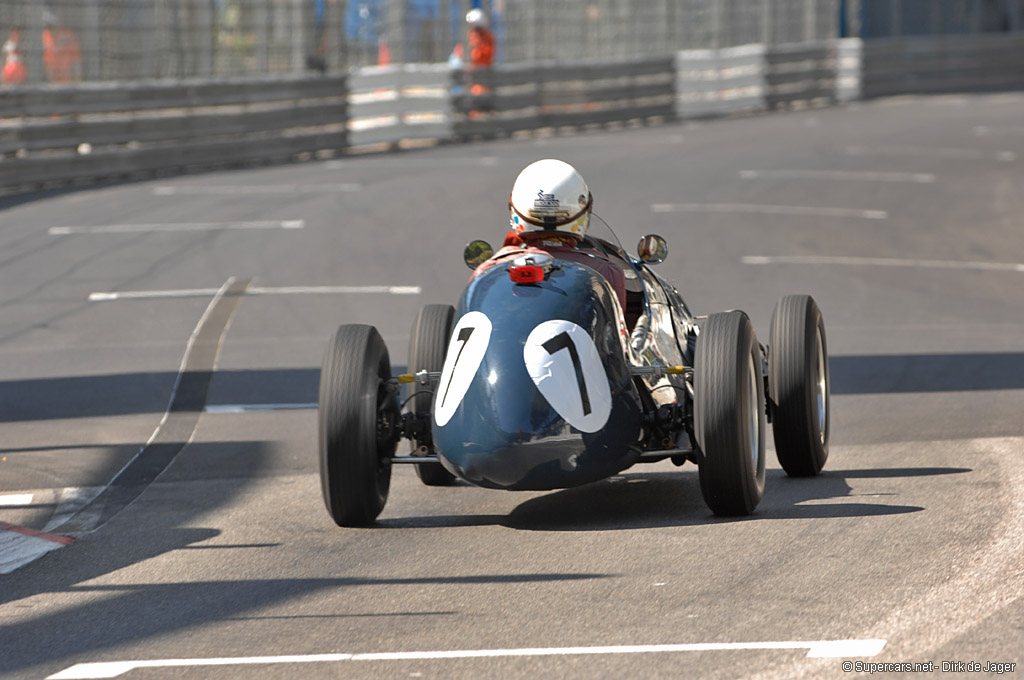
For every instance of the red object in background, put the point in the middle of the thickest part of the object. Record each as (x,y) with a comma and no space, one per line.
(481,47)
(14,67)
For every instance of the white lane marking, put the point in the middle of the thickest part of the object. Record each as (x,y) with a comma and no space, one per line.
(242,408)
(92,516)
(932,152)
(883,262)
(985,130)
(256,290)
(17,549)
(842,175)
(176,227)
(486,161)
(70,501)
(757,209)
(253,189)
(12,499)
(816,649)
(327,290)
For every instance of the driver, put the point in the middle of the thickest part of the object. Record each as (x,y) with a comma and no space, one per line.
(550,208)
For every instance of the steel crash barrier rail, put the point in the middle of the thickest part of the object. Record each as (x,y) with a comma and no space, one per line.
(64,135)
(53,135)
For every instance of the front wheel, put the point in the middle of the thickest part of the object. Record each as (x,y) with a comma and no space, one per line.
(428,343)
(798,380)
(729,415)
(357,416)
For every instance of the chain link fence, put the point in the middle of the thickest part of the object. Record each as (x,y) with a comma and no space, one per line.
(61,41)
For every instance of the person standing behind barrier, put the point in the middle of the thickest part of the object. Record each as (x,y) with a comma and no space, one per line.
(62,58)
(14,66)
(480,40)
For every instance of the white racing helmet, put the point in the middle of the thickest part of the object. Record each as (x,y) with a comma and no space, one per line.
(476,18)
(550,195)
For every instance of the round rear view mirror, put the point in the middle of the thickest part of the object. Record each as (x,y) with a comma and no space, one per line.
(652,249)
(476,253)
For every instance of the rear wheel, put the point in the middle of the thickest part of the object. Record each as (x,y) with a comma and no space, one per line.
(427,346)
(729,416)
(357,416)
(798,380)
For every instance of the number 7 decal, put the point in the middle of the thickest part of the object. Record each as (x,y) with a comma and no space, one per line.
(464,335)
(573,381)
(557,344)
(466,349)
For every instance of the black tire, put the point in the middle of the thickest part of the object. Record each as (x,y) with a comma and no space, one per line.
(798,384)
(357,413)
(428,344)
(729,414)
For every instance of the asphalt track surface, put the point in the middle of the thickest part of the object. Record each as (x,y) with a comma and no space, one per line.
(902,217)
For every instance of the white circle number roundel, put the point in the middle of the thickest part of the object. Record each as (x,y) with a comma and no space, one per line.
(565,366)
(466,349)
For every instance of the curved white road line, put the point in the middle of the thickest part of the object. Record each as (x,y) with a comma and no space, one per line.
(991,580)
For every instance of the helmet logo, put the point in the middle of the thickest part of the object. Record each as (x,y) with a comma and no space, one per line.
(545,200)
(547,207)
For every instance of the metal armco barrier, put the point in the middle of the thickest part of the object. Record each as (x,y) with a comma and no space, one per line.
(52,135)
(61,135)
(388,104)
(946,64)
(800,74)
(717,82)
(503,100)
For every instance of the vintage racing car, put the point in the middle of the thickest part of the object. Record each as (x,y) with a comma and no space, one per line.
(541,379)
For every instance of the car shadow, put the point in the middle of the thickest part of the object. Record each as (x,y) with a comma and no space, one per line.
(639,500)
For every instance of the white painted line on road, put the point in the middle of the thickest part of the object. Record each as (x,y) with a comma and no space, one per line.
(755,209)
(253,189)
(176,227)
(242,408)
(329,290)
(816,649)
(149,294)
(932,152)
(883,262)
(985,130)
(486,161)
(12,499)
(286,290)
(19,546)
(70,501)
(842,175)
